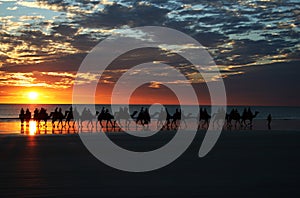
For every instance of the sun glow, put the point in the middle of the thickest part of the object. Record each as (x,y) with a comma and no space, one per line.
(33,95)
(32,127)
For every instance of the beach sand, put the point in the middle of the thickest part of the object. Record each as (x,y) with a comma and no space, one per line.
(242,164)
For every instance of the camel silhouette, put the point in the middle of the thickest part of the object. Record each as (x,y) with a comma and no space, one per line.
(234,115)
(106,116)
(248,116)
(203,115)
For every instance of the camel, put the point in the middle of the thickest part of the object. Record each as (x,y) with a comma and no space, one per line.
(203,115)
(175,119)
(57,115)
(219,116)
(87,116)
(186,117)
(123,114)
(168,118)
(42,115)
(140,118)
(162,115)
(233,115)
(105,115)
(168,121)
(248,116)
(69,116)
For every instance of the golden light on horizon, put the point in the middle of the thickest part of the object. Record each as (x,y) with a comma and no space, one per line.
(33,95)
(32,127)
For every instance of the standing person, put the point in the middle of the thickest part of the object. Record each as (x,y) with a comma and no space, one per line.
(27,115)
(22,116)
(269,119)
(35,114)
(147,118)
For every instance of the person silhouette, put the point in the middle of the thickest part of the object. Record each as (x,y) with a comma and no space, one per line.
(140,118)
(245,111)
(27,115)
(249,112)
(103,110)
(22,112)
(22,116)
(269,119)
(147,118)
(35,114)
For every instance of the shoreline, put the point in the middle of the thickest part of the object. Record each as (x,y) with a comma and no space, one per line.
(13,127)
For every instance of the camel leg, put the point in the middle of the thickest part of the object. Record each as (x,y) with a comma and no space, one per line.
(119,122)
(128,124)
(113,123)
(106,124)
(158,124)
(92,123)
(203,124)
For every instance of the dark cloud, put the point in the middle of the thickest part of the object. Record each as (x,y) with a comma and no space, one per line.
(210,39)
(65,29)
(67,63)
(257,27)
(117,15)
(275,84)
(84,42)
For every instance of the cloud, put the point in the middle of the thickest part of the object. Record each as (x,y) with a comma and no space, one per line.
(237,34)
(55,5)
(30,18)
(12,8)
(155,85)
(60,80)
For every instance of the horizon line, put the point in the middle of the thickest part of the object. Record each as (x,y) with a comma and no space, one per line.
(230,105)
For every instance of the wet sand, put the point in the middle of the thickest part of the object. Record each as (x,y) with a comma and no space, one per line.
(242,164)
(14,127)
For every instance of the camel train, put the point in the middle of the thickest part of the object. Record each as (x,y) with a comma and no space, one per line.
(123,119)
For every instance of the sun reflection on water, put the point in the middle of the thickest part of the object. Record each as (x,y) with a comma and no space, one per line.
(32,127)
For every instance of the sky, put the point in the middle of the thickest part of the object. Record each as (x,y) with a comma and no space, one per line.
(254,43)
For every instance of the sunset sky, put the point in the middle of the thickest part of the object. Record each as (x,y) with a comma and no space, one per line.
(255,44)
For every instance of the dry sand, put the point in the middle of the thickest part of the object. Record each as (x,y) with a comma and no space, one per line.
(242,164)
